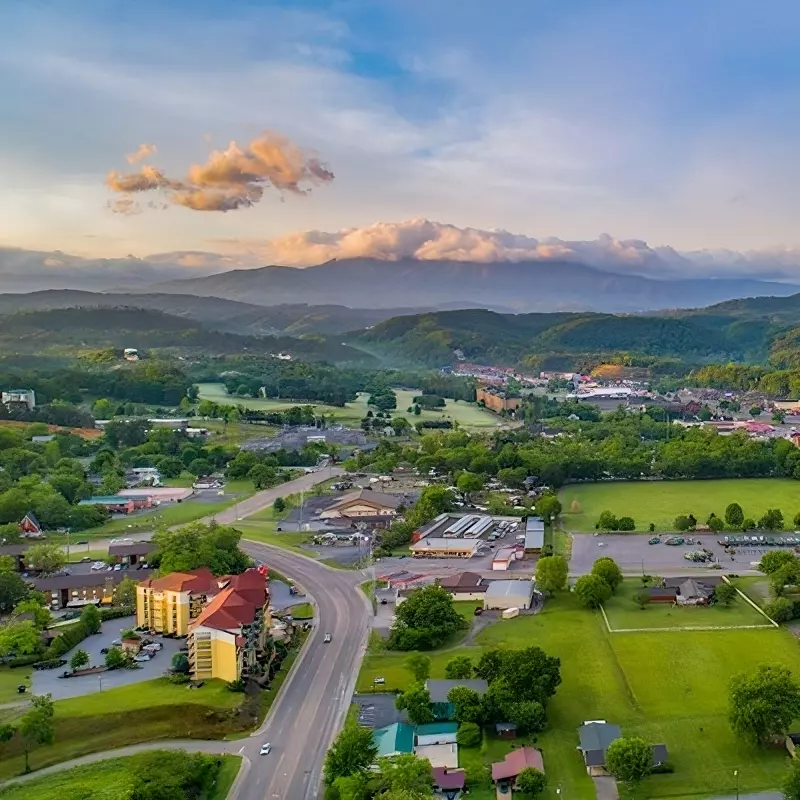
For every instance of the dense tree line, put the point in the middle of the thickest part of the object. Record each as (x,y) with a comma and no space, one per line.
(620,446)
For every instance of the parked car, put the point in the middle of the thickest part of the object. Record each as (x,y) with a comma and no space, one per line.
(117,567)
(86,559)
(379,681)
(103,650)
(478,611)
(142,657)
(117,643)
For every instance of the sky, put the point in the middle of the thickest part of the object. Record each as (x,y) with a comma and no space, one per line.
(673,123)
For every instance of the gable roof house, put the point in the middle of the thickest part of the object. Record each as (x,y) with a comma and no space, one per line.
(692,593)
(364,505)
(30,526)
(506,771)
(464,586)
(595,738)
(439,689)
(394,740)
(448,783)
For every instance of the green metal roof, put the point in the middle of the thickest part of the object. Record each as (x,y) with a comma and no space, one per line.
(105,499)
(437,727)
(396,738)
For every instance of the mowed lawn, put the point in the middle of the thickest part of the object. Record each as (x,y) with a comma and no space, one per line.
(468,415)
(108,780)
(623,612)
(660,502)
(669,687)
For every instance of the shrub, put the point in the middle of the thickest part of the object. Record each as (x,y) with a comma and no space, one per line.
(72,636)
(107,614)
(235,686)
(469,734)
(626,524)
(179,678)
(781,609)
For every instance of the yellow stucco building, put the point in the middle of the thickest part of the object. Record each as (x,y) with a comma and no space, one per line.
(168,604)
(226,620)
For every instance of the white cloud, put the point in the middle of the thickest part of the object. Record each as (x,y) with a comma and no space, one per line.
(426,240)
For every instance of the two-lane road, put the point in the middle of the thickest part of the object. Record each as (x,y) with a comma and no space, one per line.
(311,705)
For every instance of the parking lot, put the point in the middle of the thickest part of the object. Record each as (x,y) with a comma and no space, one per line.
(47,681)
(377,710)
(633,553)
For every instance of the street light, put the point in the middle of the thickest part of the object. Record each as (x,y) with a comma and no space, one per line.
(736,775)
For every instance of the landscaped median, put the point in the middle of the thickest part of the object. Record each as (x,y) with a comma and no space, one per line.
(664,686)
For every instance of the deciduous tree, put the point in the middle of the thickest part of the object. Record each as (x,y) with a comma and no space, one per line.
(352,751)
(46,557)
(764,704)
(608,569)
(37,727)
(467,705)
(629,759)
(458,667)
(551,573)
(724,593)
(416,702)
(90,617)
(419,666)
(80,658)
(530,782)
(592,590)
(424,620)
(734,516)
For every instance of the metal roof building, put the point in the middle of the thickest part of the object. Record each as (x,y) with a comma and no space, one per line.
(508,594)
(534,535)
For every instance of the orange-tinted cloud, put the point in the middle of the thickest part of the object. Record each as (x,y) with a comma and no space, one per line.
(232,178)
(143,151)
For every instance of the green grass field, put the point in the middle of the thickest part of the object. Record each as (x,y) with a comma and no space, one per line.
(660,502)
(108,780)
(147,694)
(623,612)
(665,687)
(144,712)
(468,415)
(168,515)
(9,680)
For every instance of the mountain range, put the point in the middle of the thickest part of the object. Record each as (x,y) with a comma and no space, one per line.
(521,286)
(388,285)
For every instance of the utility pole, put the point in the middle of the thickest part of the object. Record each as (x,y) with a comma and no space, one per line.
(736,775)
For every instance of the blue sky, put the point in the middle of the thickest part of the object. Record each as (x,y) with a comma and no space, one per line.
(676,122)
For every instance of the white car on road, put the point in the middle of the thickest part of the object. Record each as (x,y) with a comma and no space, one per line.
(265,749)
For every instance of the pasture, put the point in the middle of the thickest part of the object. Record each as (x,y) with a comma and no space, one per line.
(660,502)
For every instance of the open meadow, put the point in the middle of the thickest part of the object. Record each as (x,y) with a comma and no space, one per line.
(660,502)
(468,415)
(668,687)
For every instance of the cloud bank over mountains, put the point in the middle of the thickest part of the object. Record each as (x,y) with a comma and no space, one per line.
(427,240)
(414,239)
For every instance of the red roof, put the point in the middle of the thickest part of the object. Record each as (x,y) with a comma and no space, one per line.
(446,778)
(198,580)
(515,762)
(237,604)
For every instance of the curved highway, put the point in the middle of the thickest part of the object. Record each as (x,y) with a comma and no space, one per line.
(312,703)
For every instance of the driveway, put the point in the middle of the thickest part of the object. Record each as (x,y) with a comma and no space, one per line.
(47,681)
(605,788)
